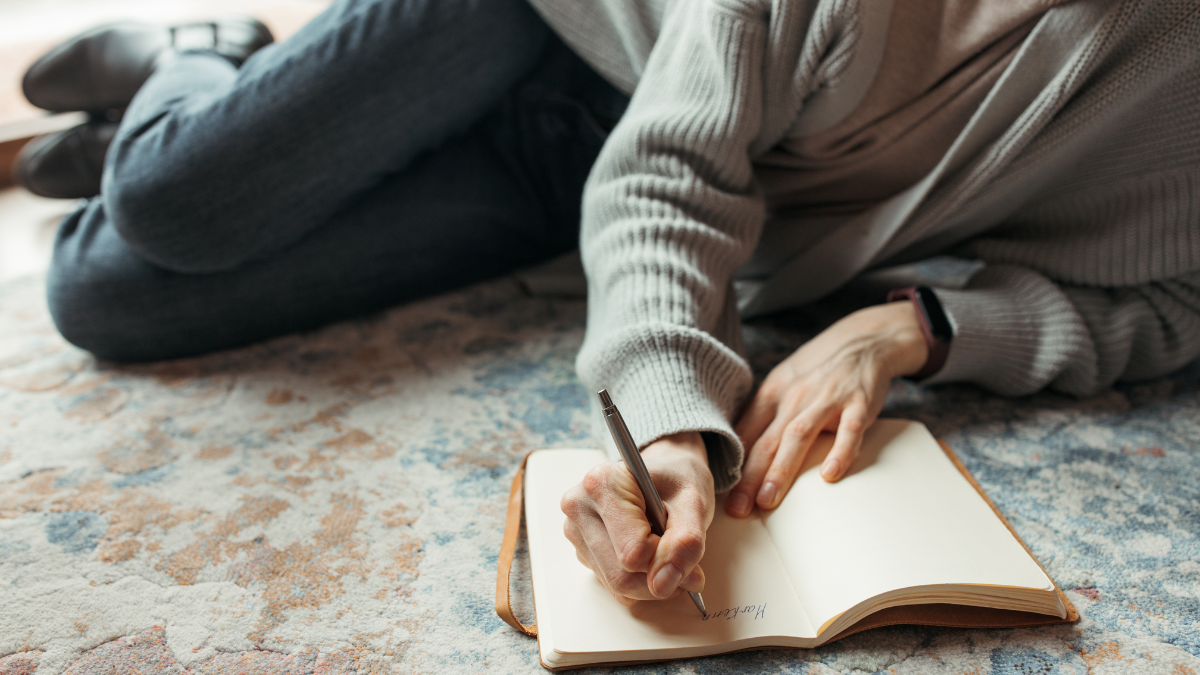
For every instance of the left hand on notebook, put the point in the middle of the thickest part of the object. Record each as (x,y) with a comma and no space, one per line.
(606,521)
(838,381)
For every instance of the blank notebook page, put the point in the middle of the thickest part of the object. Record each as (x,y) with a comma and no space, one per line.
(902,517)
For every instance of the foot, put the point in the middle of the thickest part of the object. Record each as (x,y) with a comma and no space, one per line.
(67,164)
(103,68)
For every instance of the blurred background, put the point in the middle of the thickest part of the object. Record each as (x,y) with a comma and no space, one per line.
(28,28)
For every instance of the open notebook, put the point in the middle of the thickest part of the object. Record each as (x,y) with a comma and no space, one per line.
(905,537)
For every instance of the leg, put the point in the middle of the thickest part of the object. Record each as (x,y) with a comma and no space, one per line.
(504,195)
(216,166)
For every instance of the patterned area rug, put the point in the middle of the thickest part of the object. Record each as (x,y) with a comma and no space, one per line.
(333,502)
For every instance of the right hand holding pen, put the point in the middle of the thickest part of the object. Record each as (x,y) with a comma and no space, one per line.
(606,521)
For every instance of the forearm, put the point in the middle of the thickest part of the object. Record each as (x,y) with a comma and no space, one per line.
(670,212)
(1017,332)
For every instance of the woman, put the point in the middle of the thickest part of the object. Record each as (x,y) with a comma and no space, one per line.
(771,151)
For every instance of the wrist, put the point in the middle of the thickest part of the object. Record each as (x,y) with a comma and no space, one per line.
(935,327)
(683,446)
(905,349)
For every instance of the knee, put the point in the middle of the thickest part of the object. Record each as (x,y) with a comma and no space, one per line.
(90,292)
(157,211)
(78,311)
(82,311)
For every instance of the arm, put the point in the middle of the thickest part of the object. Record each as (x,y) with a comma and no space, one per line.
(1016,332)
(670,211)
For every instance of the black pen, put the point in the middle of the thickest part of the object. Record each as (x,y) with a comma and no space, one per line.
(656,511)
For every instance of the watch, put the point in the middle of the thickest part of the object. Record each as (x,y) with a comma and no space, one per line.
(935,327)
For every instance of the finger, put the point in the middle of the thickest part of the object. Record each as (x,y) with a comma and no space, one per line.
(584,556)
(622,507)
(694,582)
(740,502)
(581,548)
(798,437)
(846,447)
(760,456)
(682,544)
(757,416)
(587,532)
(608,568)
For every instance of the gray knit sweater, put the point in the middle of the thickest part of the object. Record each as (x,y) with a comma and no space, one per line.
(1077,182)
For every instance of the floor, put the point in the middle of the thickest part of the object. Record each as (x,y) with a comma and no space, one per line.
(27,227)
(333,502)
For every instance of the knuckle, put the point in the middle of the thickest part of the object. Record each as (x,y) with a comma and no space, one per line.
(621,581)
(853,426)
(689,544)
(797,428)
(631,556)
(595,480)
(572,503)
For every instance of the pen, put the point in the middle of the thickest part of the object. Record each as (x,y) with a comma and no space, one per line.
(656,511)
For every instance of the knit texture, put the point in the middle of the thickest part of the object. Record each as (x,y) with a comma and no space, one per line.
(1086,202)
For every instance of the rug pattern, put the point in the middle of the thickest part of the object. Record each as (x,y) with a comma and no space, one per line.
(333,502)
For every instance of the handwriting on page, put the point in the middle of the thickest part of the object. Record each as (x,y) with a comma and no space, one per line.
(759,611)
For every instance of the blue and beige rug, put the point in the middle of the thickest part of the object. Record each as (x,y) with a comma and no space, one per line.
(333,502)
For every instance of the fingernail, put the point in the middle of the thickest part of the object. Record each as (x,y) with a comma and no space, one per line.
(666,580)
(766,495)
(739,504)
(831,469)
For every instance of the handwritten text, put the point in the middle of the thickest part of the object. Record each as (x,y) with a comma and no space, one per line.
(733,612)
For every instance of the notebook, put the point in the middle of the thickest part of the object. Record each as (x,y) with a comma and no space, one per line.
(906,536)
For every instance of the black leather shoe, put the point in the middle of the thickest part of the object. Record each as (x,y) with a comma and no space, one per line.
(101,69)
(67,164)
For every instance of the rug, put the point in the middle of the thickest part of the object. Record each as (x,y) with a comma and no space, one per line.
(333,502)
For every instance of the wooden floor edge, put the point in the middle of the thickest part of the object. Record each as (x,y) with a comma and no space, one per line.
(8,155)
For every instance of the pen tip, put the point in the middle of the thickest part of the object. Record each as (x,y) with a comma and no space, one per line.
(605,399)
(699,601)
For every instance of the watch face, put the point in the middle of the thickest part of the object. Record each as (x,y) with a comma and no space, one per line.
(935,316)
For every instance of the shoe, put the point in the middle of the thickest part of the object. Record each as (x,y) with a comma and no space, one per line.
(101,69)
(67,164)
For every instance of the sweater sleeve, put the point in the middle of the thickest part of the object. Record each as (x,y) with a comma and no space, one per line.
(670,211)
(1016,331)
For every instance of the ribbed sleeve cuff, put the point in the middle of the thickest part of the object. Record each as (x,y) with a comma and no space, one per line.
(668,379)
(1014,333)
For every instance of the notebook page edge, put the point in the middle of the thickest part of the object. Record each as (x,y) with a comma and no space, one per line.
(544,614)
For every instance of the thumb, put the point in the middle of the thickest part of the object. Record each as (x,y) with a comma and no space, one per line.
(681,546)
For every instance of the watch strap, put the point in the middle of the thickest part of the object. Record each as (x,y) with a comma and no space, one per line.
(935,327)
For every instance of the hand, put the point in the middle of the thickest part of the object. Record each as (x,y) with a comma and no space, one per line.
(838,381)
(606,521)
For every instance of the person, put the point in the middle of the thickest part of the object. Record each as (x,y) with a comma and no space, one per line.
(716,160)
